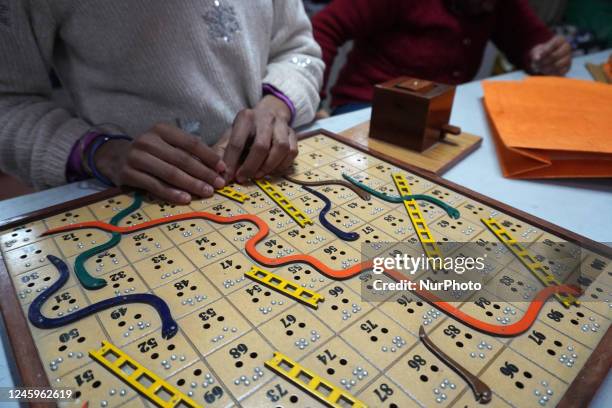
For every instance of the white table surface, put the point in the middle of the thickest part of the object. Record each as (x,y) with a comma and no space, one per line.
(588,214)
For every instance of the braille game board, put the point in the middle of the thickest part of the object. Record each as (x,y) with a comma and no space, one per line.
(254,297)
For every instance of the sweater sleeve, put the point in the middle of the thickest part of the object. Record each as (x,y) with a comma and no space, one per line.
(36,135)
(518,30)
(295,67)
(346,20)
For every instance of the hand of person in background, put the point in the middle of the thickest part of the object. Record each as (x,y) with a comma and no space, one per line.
(551,58)
(164,161)
(260,141)
(322,114)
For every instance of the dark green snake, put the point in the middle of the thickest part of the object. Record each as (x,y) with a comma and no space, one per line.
(86,279)
(450,210)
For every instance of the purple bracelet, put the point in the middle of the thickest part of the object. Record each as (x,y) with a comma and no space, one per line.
(272,90)
(99,142)
(74,165)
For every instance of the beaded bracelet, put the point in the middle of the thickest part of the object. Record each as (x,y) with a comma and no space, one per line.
(99,142)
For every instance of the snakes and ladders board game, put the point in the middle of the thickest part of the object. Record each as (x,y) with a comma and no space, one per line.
(266,295)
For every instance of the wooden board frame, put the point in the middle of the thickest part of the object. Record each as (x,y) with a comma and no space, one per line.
(30,369)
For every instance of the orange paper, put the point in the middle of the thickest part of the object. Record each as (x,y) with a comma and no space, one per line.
(548,127)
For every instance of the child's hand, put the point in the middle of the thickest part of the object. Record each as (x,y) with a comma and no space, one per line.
(551,58)
(164,161)
(274,144)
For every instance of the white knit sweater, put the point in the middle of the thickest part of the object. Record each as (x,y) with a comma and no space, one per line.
(133,63)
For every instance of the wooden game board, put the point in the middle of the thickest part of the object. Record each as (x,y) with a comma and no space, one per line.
(229,326)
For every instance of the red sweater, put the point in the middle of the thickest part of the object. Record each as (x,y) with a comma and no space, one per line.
(419,38)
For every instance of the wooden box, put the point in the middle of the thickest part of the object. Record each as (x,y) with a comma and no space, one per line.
(412,113)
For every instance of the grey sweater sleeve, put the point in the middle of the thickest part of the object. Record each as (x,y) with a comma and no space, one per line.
(295,66)
(36,135)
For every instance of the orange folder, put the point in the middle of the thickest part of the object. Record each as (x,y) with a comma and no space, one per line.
(548,127)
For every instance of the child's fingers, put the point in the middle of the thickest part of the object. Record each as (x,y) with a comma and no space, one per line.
(557,67)
(190,144)
(258,152)
(553,50)
(293,152)
(278,152)
(136,178)
(241,130)
(170,174)
(561,50)
(181,159)
(564,64)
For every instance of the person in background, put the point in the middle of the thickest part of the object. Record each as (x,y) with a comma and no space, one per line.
(438,40)
(176,98)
